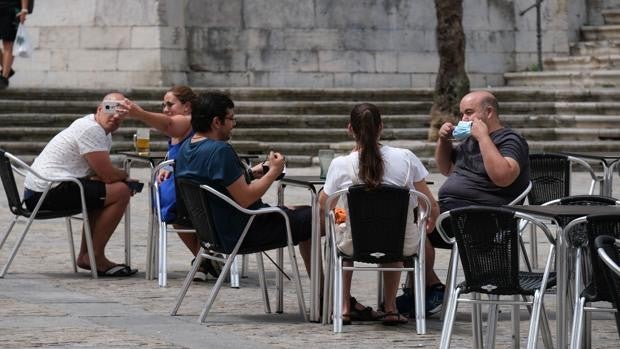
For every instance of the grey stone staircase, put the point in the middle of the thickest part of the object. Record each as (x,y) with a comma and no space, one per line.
(592,62)
(299,122)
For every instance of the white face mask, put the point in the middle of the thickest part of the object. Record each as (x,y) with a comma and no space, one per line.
(462,130)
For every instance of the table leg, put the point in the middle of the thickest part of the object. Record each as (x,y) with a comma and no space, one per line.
(561,288)
(315,267)
(127,220)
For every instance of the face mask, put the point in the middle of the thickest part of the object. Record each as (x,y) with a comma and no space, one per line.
(462,130)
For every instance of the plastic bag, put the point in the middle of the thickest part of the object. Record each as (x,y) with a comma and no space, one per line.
(22,47)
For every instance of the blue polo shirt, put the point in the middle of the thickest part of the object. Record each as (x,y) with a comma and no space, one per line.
(216,164)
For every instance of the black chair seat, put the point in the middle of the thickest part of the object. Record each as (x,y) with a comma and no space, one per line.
(47,214)
(528,283)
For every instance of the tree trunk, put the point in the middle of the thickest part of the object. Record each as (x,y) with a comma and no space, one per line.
(452,82)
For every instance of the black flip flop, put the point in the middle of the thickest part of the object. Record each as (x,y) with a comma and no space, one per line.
(119,270)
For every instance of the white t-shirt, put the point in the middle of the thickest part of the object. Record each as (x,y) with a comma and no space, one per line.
(64,157)
(401,168)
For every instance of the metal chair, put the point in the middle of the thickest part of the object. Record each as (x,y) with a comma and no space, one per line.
(488,247)
(453,262)
(608,250)
(161,229)
(198,200)
(378,220)
(581,234)
(550,174)
(9,165)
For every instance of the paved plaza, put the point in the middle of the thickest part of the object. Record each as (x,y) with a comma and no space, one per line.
(43,304)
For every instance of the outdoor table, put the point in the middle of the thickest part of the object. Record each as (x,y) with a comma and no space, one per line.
(133,157)
(609,162)
(562,215)
(311,183)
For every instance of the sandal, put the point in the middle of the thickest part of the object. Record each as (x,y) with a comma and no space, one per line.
(365,314)
(399,320)
(346,319)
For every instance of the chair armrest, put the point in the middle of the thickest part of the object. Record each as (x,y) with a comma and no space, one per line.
(536,222)
(442,233)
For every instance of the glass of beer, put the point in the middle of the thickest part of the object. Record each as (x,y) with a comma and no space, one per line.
(325,159)
(142,141)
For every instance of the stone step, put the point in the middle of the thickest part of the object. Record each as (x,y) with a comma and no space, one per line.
(565,78)
(527,118)
(597,47)
(601,32)
(611,16)
(611,61)
(237,94)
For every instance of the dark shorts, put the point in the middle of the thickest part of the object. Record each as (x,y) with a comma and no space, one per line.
(66,196)
(8,24)
(269,230)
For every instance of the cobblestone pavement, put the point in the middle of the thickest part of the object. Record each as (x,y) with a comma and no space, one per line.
(43,304)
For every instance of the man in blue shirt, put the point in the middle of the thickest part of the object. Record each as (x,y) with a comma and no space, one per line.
(208,158)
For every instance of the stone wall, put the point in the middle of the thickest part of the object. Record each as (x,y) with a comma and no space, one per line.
(105,43)
(282,43)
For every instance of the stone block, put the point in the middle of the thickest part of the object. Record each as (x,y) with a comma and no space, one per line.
(343,80)
(171,13)
(486,62)
(105,37)
(145,37)
(173,60)
(382,40)
(257,39)
(39,61)
(278,14)
(293,79)
(272,60)
(423,80)
(500,41)
(154,37)
(127,13)
(386,62)
(381,80)
(313,39)
(58,37)
(139,60)
(381,14)
(59,59)
(92,60)
(218,61)
(59,13)
(411,62)
(214,13)
(525,41)
(219,79)
(346,61)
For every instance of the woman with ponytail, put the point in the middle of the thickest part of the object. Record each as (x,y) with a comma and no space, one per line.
(374,164)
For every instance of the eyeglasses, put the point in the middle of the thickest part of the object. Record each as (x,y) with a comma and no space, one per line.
(231,118)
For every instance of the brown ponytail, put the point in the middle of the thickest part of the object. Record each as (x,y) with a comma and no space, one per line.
(366,124)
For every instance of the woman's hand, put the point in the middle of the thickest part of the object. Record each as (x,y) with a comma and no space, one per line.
(163,175)
(22,15)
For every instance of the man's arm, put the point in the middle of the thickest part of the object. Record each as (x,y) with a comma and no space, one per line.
(100,162)
(503,171)
(172,126)
(443,150)
(246,194)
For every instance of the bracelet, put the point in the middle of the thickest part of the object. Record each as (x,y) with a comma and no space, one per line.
(24,11)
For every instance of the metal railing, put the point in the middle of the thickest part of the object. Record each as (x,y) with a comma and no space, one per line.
(536,5)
